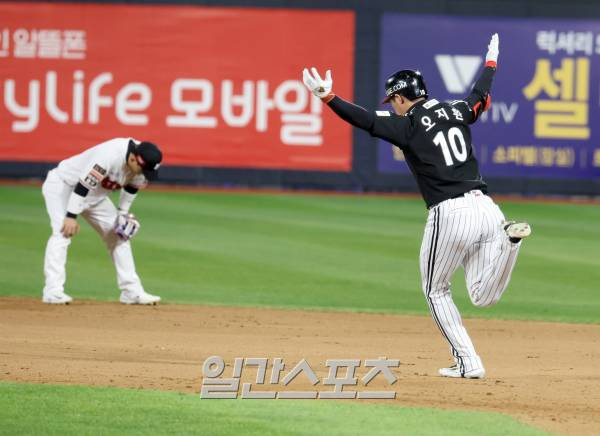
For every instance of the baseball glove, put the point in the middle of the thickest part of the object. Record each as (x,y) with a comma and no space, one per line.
(126,226)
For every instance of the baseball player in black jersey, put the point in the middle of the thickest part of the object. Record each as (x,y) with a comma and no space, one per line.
(464,227)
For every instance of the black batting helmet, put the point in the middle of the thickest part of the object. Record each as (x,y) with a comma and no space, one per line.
(408,83)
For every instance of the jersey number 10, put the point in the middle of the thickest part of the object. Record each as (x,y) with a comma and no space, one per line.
(458,150)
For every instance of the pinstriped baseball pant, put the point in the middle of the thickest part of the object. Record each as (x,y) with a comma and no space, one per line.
(465,231)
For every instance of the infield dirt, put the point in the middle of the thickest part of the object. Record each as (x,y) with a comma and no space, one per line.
(545,374)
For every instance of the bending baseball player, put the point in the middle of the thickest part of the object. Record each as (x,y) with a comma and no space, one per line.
(464,227)
(80,185)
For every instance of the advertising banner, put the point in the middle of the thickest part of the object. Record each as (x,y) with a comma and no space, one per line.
(219,87)
(545,112)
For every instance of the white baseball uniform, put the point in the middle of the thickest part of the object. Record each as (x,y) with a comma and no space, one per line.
(101,169)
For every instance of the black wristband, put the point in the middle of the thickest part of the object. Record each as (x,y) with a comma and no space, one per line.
(130,189)
(71,215)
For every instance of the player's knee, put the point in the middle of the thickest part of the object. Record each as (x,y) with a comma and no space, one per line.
(485,301)
(436,291)
(112,240)
(57,238)
(56,229)
(494,300)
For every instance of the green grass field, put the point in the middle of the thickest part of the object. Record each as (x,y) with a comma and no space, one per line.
(107,411)
(304,251)
(357,253)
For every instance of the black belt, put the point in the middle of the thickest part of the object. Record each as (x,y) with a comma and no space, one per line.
(450,198)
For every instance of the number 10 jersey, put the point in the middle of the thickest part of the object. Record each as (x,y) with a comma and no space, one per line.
(436,140)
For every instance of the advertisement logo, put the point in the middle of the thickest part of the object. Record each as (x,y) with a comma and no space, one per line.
(68,84)
(458,71)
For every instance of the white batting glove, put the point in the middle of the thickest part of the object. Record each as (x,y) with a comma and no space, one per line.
(492,53)
(126,226)
(319,87)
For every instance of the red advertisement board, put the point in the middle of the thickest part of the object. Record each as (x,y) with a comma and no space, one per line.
(217,87)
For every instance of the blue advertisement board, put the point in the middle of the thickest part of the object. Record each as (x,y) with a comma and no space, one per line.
(544,121)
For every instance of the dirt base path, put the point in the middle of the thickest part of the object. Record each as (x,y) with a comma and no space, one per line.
(546,374)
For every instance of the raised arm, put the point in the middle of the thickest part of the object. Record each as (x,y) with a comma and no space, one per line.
(479,100)
(382,124)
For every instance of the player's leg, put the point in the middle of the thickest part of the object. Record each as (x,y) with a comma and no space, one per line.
(448,233)
(56,196)
(102,217)
(490,262)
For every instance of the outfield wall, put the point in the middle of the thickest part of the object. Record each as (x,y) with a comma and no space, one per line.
(218,86)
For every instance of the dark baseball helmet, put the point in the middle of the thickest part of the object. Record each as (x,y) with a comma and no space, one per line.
(408,83)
